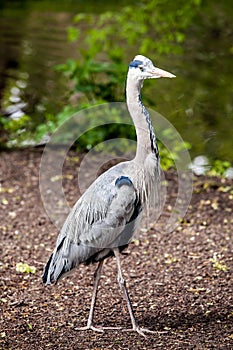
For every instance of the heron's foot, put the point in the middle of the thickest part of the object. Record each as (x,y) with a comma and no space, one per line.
(140,331)
(96,329)
(90,327)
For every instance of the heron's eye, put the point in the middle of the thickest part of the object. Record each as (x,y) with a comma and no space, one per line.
(141,68)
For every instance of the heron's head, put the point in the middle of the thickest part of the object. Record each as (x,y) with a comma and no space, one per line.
(142,68)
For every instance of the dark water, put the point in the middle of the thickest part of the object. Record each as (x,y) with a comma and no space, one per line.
(199,104)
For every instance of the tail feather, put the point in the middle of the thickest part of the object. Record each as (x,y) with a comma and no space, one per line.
(65,257)
(46,270)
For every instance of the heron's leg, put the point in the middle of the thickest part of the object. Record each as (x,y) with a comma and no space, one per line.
(121,282)
(89,325)
(97,276)
(135,326)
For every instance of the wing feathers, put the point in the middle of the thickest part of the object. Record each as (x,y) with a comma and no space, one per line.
(103,218)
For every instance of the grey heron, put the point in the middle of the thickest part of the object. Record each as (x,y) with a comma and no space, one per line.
(106,216)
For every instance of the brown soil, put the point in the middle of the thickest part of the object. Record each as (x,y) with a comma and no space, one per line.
(180,283)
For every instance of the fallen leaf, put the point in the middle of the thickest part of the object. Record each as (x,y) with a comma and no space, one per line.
(4,201)
(25,268)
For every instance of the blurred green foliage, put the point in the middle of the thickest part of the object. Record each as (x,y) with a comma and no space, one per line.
(219,167)
(104,44)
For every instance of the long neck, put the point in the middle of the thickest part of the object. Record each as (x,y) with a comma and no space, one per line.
(146,139)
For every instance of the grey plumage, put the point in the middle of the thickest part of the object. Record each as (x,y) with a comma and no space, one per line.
(104,220)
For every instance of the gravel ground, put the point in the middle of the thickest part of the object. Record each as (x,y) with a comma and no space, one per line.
(180,283)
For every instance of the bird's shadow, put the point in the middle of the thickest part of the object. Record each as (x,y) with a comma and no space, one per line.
(181,319)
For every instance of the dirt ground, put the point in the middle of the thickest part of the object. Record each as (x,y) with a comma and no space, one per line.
(181,283)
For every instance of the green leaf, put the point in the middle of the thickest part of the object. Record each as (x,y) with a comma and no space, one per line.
(73,34)
(25,268)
